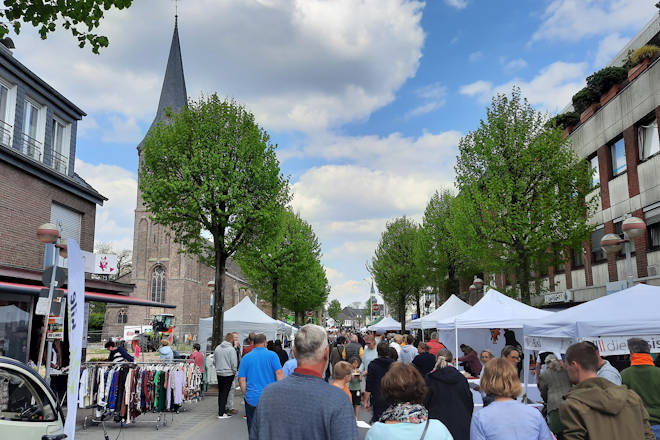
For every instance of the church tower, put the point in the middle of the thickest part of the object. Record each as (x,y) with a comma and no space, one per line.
(160,273)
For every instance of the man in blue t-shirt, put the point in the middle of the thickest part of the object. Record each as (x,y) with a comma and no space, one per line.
(259,368)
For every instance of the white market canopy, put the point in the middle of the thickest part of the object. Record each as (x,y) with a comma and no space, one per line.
(449,309)
(243,318)
(629,312)
(386,324)
(494,310)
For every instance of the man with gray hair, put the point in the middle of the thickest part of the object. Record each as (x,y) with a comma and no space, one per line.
(434,345)
(643,377)
(303,405)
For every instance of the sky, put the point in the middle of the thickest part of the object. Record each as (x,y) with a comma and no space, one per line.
(366,99)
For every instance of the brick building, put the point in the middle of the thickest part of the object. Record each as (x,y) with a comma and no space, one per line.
(38,184)
(160,273)
(622,142)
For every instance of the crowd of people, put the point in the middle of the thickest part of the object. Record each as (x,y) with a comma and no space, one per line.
(412,389)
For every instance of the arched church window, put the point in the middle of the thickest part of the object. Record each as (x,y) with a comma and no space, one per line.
(122,317)
(158,284)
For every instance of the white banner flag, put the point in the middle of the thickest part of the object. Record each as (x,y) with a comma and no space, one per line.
(76,304)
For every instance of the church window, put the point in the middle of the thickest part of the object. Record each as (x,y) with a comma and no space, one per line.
(122,317)
(158,284)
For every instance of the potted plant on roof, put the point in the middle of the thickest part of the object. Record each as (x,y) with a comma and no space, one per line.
(586,102)
(566,121)
(641,58)
(607,82)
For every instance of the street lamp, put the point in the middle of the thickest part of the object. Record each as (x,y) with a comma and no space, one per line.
(632,228)
(48,233)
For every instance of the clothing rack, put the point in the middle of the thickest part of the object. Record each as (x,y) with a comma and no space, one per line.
(158,388)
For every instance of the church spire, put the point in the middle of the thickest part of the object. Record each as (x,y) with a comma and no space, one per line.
(173,93)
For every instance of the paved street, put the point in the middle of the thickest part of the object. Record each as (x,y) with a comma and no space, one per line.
(198,421)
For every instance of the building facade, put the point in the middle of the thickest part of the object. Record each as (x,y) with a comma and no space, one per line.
(160,272)
(622,143)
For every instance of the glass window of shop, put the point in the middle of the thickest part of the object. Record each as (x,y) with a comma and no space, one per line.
(15,324)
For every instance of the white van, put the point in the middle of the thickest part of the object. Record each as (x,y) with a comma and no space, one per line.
(28,407)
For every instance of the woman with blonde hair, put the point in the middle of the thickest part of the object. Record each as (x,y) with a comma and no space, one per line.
(166,353)
(506,418)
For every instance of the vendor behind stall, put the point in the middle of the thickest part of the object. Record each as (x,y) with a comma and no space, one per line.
(117,354)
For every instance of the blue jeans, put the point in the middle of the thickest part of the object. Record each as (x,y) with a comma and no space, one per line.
(656,431)
(249,413)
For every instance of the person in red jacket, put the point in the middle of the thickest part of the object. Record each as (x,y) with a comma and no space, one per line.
(434,345)
(470,360)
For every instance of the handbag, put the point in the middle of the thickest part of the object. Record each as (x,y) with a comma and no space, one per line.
(426,428)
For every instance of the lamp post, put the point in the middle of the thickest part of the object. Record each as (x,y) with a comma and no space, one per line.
(48,233)
(211,286)
(632,228)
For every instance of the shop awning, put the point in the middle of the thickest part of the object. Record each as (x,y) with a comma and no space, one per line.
(33,290)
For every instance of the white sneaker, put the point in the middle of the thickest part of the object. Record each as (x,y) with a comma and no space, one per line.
(224,416)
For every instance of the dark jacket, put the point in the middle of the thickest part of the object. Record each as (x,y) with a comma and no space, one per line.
(377,369)
(424,362)
(335,355)
(598,409)
(281,354)
(352,350)
(122,351)
(450,401)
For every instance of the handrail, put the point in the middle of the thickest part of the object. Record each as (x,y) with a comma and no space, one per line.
(6,131)
(60,162)
(31,147)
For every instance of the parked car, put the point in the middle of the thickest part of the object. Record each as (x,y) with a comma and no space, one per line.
(28,407)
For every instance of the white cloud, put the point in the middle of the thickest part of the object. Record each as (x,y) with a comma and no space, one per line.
(608,48)
(550,90)
(364,247)
(517,64)
(475,56)
(124,130)
(423,109)
(458,4)
(572,20)
(114,220)
(434,96)
(297,64)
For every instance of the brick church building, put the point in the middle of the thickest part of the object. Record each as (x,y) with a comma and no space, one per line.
(160,273)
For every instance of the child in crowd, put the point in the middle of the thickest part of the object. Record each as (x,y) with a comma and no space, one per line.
(355,385)
(341,376)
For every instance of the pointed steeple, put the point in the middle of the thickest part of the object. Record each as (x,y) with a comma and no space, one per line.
(173,93)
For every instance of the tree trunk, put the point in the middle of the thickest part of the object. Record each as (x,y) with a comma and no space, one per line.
(524,279)
(419,310)
(274,302)
(218,295)
(401,310)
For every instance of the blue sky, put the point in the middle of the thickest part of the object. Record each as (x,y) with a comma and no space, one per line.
(367,99)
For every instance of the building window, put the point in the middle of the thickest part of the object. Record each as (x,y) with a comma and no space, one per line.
(122,317)
(32,133)
(7,111)
(158,284)
(595,177)
(597,252)
(68,220)
(653,229)
(649,144)
(61,144)
(618,150)
(577,258)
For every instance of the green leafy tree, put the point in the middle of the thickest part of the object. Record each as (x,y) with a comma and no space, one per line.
(334,309)
(96,316)
(434,243)
(395,268)
(212,170)
(310,294)
(275,263)
(522,191)
(80,17)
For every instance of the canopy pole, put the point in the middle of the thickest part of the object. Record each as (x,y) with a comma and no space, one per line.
(456,343)
(526,358)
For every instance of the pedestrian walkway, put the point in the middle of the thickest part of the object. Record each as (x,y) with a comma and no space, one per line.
(199,421)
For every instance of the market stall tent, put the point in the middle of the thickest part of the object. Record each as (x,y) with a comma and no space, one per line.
(449,309)
(629,312)
(243,318)
(386,324)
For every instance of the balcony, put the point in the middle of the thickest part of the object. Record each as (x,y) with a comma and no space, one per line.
(5,134)
(31,147)
(60,162)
